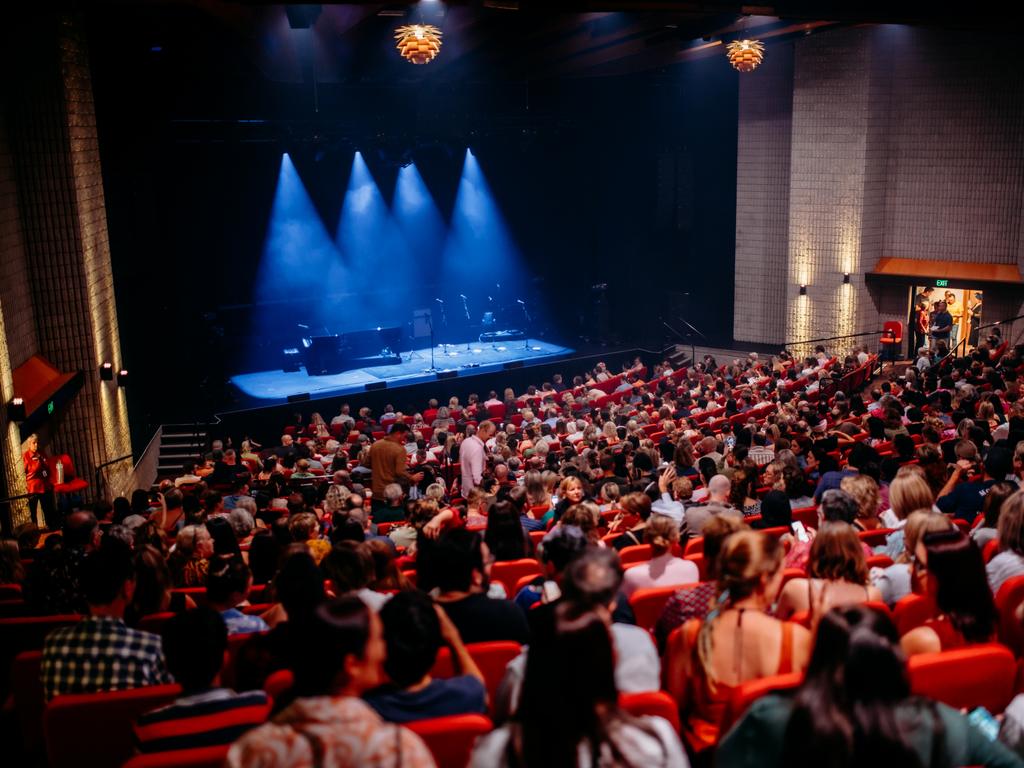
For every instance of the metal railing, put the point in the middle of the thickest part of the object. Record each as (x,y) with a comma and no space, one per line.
(7,513)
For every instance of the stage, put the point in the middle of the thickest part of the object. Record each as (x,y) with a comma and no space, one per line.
(276,386)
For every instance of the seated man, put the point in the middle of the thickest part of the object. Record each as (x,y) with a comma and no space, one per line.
(461,565)
(205,715)
(100,653)
(414,630)
(227,586)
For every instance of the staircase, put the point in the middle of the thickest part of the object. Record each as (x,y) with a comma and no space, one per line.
(180,443)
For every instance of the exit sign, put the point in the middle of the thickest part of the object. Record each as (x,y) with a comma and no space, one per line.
(49,408)
(941,283)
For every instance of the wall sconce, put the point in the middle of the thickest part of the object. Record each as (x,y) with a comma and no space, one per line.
(16,410)
(846,278)
(107,372)
(803,289)
(122,377)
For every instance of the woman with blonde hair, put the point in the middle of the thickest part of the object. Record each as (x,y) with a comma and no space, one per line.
(864,491)
(1010,560)
(894,582)
(664,569)
(837,571)
(737,642)
(319,427)
(334,500)
(907,492)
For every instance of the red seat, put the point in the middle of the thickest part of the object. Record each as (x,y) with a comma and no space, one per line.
(991,548)
(200,757)
(450,739)
(892,333)
(806,515)
(693,546)
(26,633)
(277,683)
(492,658)
(1008,599)
(654,703)
(98,722)
(747,693)
(29,700)
(72,482)
(912,611)
(979,676)
(638,553)
(511,571)
(647,605)
(537,536)
(876,537)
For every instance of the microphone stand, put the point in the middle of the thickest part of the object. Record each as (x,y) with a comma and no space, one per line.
(444,326)
(469,320)
(430,323)
(693,353)
(529,322)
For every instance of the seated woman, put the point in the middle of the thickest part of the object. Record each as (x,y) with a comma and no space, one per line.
(864,491)
(743,493)
(988,529)
(838,574)
(854,708)
(949,570)
(1010,560)
(569,713)
(775,512)
(664,569)
(895,582)
(737,642)
(631,520)
(505,535)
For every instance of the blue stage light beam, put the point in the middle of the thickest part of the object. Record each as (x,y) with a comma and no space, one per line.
(480,252)
(419,221)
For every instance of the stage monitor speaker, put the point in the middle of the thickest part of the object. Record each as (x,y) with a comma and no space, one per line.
(447,374)
(421,323)
(513,364)
(375,385)
(298,398)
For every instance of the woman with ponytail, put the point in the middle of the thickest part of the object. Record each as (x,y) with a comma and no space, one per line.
(854,708)
(737,642)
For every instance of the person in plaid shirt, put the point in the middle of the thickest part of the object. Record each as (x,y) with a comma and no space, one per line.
(100,653)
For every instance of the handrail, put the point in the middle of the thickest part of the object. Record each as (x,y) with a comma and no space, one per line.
(7,520)
(96,482)
(788,344)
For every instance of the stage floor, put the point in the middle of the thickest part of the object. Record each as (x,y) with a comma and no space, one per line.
(276,386)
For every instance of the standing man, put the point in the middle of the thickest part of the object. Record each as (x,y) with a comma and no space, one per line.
(955,312)
(473,457)
(38,484)
(919,338)
(388,463)
(942,324)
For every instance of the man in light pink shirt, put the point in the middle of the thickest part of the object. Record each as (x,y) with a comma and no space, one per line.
(473,457)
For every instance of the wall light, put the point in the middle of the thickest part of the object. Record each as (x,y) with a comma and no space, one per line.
(122,377)
(846,278)
(803,289)
(107,372)
(16,410)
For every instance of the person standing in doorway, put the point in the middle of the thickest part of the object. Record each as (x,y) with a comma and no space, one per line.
(956,312)
(38,483)
(920,328)
(941,325)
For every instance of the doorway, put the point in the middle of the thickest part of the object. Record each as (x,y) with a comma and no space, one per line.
(965,305)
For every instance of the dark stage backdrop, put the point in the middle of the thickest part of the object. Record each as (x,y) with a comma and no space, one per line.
(627,181)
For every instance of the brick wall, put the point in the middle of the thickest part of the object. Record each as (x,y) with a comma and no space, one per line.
(762,196)
(69,301)
(903,142)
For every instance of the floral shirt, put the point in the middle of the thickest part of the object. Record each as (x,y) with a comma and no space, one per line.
(346,733)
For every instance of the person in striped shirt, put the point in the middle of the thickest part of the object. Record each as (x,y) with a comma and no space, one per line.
(205,715)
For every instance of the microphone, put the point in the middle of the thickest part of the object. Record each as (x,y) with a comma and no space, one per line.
(439,301)
(520,301)
(489,298)
(462,295)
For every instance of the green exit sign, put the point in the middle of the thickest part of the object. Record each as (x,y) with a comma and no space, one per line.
(941,283)
(49,408)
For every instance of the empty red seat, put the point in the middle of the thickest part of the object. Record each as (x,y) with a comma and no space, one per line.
(979,676)
(451,739)
(100,723)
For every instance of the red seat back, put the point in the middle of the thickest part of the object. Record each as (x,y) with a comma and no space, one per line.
(201,757)
(1008,599)
(103,721)
(511,571)
(892,332)
(654,703)
(492,657)
(876,537)
(29,699)
(450,739)
(991,548)
(638,553)
(980,676)
(912,611)
(277,683)
(647,605)
(26,633)
(747,693)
